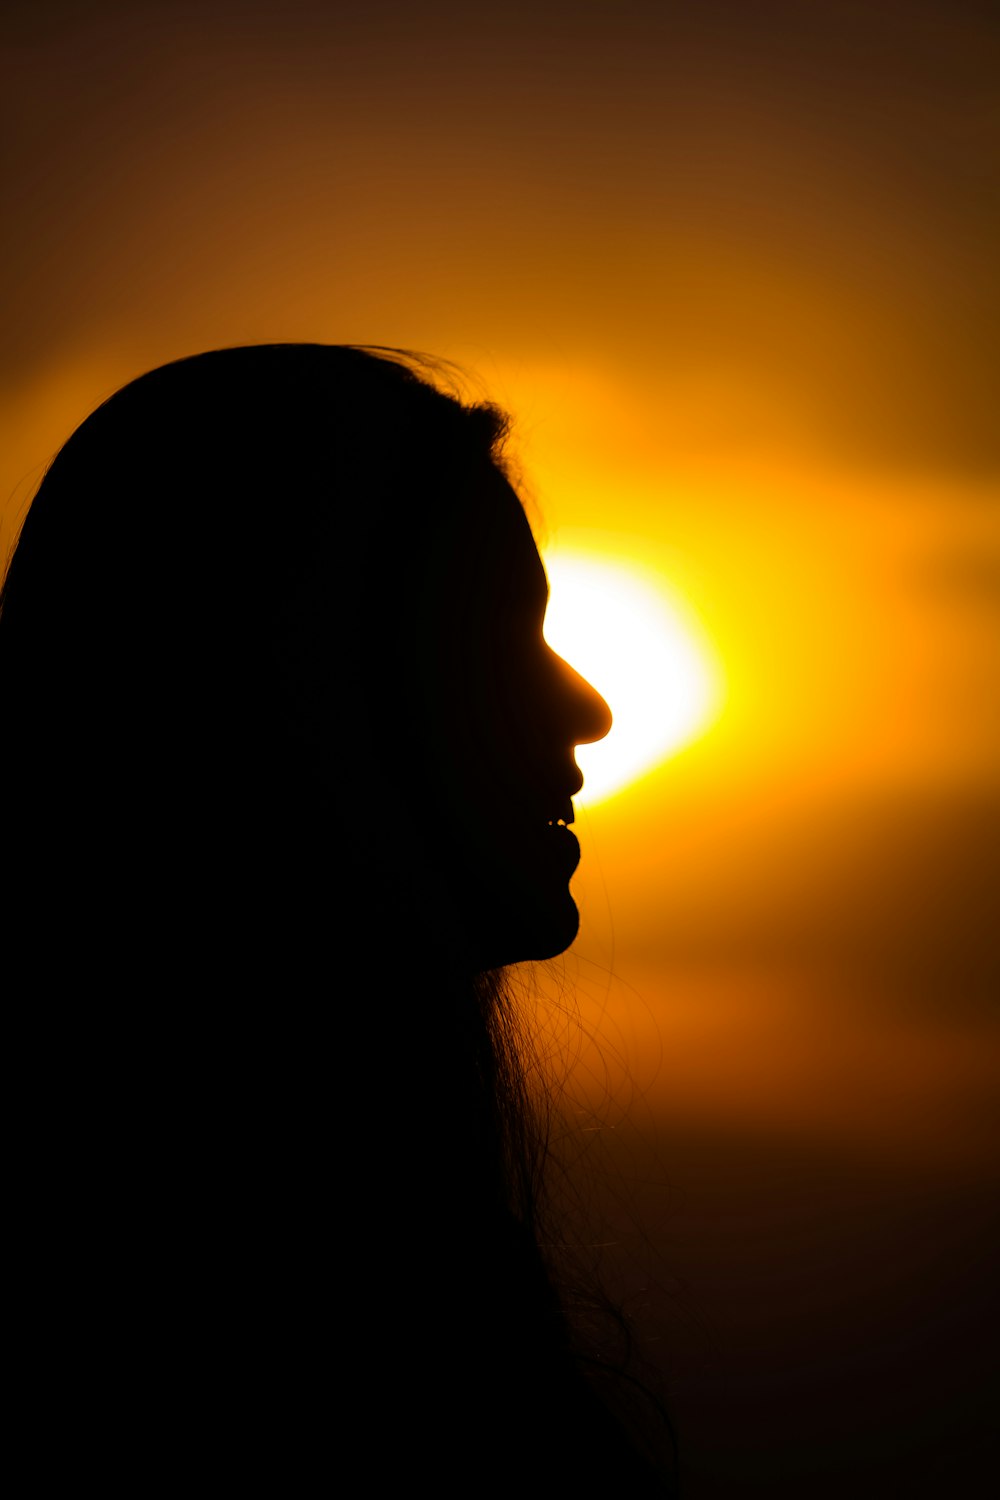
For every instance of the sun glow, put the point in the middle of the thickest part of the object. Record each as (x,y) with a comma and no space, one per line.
(624,630)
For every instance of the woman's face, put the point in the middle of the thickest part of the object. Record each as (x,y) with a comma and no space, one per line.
(501,714)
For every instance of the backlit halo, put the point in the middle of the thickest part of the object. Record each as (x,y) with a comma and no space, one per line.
(625,631)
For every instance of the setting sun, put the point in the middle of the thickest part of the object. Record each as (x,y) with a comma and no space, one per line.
(621,627)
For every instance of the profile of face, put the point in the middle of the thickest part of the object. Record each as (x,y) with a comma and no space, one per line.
(269,719)
(497,716)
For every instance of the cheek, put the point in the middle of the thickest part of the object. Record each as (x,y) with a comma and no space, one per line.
(504,711)
(470,717)
(478,737)
(507,877)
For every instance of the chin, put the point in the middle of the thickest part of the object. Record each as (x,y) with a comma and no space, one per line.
(529,932)
(511,897)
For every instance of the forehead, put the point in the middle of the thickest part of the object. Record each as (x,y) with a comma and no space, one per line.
(477,566)
(506,557)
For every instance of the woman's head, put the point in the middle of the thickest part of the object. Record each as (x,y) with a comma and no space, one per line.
(275,690)
(278,608)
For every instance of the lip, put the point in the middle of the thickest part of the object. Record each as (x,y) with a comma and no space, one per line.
(563,812)
(556,806)
(546,815)
(563,845)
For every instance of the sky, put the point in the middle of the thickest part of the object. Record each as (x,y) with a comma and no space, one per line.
(732,268)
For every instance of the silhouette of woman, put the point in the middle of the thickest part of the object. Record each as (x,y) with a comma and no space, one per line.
(289,768)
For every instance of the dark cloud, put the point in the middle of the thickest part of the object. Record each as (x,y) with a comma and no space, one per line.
(968,578)
(794,198)
(892,899)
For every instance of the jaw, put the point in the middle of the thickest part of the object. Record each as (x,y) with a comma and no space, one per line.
(515,926)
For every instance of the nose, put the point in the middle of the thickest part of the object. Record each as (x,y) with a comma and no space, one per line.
(587,716)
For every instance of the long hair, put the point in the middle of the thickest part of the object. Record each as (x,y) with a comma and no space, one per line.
(255,1063)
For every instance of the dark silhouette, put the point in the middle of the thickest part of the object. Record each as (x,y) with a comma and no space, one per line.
(287,763)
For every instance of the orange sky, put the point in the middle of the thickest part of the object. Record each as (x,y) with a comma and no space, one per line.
(732,267)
